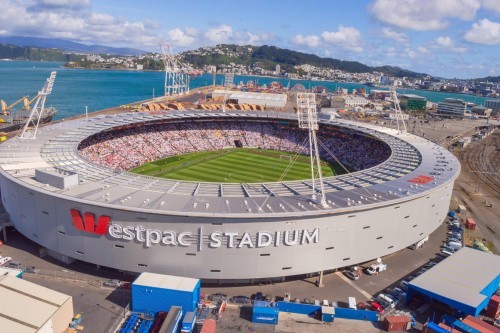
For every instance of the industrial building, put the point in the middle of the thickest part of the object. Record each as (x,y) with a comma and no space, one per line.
(452,107)
(268,100)
(412,102)
(493,104)
(464,282)
(222,231)
(26,307)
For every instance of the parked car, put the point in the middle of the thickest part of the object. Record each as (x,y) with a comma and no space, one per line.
(239,299)
(32,270)
(13,264)
(307,301)
(4,260)
(446,253)
(216,298)
(351,275)
(452,239)
(258,296)
(377,307)
(296,300)
(114,283)
(269,298)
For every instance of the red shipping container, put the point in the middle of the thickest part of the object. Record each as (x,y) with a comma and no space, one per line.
(209,326)
(480,325)
(470,224)
(493,309)
(397,323)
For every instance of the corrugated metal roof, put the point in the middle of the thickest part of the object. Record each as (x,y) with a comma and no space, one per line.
(461,277)
(25,306)
(166,282)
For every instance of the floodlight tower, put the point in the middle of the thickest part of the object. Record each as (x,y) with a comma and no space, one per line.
(397,109)
(306,113)
(36,112)
(176,79)
(228,83)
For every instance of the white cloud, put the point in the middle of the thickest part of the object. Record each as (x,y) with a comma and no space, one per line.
(347,38)
(423,14)
(220,34)
(394,35)
(310,41)
(177,37)
(484,32)
(444,41)
(248,38)
(57,19)
(491,5)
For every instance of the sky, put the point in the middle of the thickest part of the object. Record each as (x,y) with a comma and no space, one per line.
(445,38)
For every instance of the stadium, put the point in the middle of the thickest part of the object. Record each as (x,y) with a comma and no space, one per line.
(92,190)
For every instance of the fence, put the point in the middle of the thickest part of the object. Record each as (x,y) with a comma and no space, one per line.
(113,327)
(307,309)
(67,275)
(356,314)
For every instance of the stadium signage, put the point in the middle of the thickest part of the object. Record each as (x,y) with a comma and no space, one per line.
(87,223)
(216,239)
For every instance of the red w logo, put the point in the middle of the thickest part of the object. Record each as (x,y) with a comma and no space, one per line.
(88,224)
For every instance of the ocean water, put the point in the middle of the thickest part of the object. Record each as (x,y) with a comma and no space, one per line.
(74,89)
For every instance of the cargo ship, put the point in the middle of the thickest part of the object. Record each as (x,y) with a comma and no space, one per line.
(15,119)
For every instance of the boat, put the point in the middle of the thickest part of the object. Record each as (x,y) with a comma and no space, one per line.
(15,119)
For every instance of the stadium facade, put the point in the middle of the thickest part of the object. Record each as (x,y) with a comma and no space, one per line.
(80,210)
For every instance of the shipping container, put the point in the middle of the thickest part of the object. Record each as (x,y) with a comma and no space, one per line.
(397,323)
(265,315)
(327,314)
(493,309)
(153,293)
(209,326)
(188,322)
(470,224)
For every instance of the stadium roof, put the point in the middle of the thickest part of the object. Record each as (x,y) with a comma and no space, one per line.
(415,168)
(464,280)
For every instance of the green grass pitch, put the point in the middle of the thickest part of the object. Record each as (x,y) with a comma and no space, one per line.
(233,166)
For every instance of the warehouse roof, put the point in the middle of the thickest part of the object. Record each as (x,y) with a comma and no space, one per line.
(462,278)
(26,306)
(166,282)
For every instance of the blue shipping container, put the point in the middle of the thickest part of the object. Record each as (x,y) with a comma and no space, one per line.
(265,315)
(188,322)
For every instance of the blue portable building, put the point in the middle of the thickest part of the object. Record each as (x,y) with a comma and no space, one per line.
(265,315)
(327,314)
(152,293)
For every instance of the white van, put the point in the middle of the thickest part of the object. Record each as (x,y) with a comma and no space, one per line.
(352,303)
(5,260)
(325,303)
(455,245)
(387,301)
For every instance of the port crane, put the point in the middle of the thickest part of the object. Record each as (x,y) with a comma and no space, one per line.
(36,112)
(176,74)
(6,108)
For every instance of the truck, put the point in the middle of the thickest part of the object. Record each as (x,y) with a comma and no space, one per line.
(188,322)
(419,244)
(376,268)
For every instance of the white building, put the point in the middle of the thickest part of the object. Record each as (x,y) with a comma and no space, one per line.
(452,106)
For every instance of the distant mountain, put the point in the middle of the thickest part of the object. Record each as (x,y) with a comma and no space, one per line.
(35,53)
(268,57)
(494,79)
(66,45)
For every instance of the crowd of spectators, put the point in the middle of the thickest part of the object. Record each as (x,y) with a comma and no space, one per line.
(124,149)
